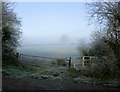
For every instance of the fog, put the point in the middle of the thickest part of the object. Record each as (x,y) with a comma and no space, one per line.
(50,50)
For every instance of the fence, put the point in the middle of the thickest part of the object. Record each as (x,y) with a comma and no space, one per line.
(19,55)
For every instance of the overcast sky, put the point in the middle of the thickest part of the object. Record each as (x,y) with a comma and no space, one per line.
(53,23)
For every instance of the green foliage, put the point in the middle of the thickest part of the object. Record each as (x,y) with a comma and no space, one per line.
(9,59)
(16,71)
(10,34)
(73,72)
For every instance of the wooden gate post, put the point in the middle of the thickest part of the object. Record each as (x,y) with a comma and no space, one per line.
(69,62)
(17,55)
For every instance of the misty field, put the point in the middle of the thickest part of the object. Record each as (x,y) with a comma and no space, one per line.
(50,50)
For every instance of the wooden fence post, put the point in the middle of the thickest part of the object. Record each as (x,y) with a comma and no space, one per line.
(69,62)
(17,55)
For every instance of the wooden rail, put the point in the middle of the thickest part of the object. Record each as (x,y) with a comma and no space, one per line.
(39,56)
(18,56)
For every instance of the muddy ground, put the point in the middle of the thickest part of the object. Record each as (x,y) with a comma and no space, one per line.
(36,84)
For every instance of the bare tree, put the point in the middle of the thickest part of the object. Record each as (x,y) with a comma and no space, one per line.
(64,39)
(107,15)
(83,47)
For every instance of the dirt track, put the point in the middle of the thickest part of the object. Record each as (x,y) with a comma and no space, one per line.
(36,84)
